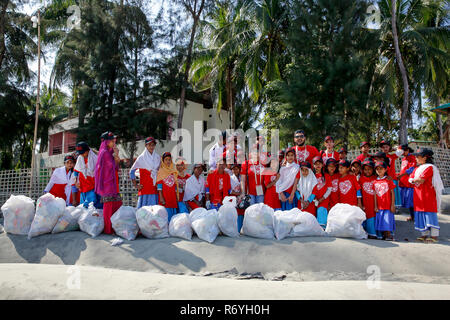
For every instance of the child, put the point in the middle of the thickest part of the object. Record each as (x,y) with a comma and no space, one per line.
(251,173)
(271,176)
(428,188)
(61,181)
(84,172)
(166,181)
(342,154)
(384,203)
(288,179)
(356,168)
(148,164)
(218,186)
(321,191)
(366,183)
(392,157)
(236,191)
(195,188)
(364,147)
(349,188)
(329,151)
(333,176)
(305,186)
(406,188)
(180,164)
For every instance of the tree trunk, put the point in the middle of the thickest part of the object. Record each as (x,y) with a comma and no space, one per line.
(439,124)
(404,110)
(2,30)
(230,101)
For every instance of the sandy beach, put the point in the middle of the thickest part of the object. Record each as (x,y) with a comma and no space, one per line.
(237,268)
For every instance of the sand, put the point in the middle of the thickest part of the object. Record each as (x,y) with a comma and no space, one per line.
(243,268)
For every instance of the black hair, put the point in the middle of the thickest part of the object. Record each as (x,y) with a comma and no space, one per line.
(429,159)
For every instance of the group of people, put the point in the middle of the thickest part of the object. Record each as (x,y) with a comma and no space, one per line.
(299,176)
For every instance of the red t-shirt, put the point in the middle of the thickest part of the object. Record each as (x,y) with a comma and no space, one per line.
(391,170)
(383,189)
(407,162)
(325,156)
(169,190)
(362,157)
(219,186)
(323,183)
(368,192)
(86,183)
(305,153)
(348,187)
(59,190)
(334,195)
(147,181)
(271,195)
(182,185)
(253,179)
(425,193)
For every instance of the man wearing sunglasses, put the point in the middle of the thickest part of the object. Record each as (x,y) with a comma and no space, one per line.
(303,152)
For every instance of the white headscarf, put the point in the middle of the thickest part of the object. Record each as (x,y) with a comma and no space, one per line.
(436,180)
(147,161)
(234,181)
(287,177)
(61,176)
(89,170)
(306,184)
(194,187)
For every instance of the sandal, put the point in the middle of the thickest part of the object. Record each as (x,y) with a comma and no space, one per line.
(430,240)
(421,238)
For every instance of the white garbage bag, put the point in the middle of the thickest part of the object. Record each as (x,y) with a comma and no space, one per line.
(69,220)
(48,210)
(153,221)
(180,226)
(258,221)
(284,222)
(18,213)
(227,220)
(91,221)
(230,200)
(307,226)
(346,221)
(124,222)
(204,223)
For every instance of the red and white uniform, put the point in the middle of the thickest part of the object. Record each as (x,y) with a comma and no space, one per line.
(86,168)
(362,157)
(182,185)
(219,186)
(254,172)
(169,191)
(425,196)
(271,196)
(348,188)
(305,153)
(383,189)
(328,155)
(148,164)
(60,184)
(334,196)
(407,162)
(323,183)
(391,170)
(368,192)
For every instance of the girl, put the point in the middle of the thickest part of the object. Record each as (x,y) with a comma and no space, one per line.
(218,186)
(342,154)
(288,179)
(428,188)
(366,183)
(107,178)
(182,177)
(306,183)
(236,191)
(271,176)
(251,172)
(166,182)
(84,172)
(392,157)
(406,188)
(384,203)
(148,164)
(329,151)
(349,188)
(356,168)
(195,188)
(333,176)
(60,184)
(321,191)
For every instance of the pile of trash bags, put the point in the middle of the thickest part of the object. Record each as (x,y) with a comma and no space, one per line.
(18,213)
(153,221)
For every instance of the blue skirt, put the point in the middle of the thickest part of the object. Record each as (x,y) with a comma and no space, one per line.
(398,195)
(286,205)
(384,221)
(240,222)
(171,212)
(407,197)
(425,220)
(322,215)
(369,226)
(147,200)
(90,196)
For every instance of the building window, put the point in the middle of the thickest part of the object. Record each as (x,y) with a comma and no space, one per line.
(56,144)
(70,141)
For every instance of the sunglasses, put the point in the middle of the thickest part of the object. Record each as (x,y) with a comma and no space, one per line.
(300,136)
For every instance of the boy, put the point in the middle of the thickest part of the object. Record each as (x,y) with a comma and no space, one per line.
(364,147)
(84,172)
(329,151)
(342,154)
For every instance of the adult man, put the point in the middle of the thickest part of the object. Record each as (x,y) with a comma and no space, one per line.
(303,152)
(217,151)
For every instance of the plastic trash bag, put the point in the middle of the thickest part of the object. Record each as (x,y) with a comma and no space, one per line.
(230,200)
(346,221)
(227,219)
(258,221)
(116,241)
(48,210)
(124,222)
(204,223)
(18,213)
(180,226)
(153,221)
(69,220)
(284,222)
(91,221)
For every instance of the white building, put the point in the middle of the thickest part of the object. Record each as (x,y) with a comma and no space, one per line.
(63,137)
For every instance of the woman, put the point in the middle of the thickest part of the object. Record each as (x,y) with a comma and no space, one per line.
(167,185)
(107,178)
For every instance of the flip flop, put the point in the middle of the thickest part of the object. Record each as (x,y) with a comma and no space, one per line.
(430,240)
(421,239)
